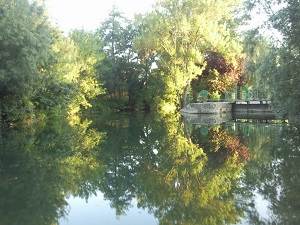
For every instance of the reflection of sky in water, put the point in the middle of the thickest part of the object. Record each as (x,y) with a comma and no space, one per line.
(261,206)
(97,211)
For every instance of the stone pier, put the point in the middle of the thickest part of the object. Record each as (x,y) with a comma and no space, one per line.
(208,108)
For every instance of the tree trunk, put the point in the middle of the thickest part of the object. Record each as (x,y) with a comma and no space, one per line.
(184,96)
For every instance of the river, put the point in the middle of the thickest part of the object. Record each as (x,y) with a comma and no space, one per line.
(150,169)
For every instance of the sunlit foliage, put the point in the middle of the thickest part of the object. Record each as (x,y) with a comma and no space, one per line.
(88,56)
(218,76)
(70,81)
(179,33)
(41,71)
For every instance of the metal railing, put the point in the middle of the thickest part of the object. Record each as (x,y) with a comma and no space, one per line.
(246,95)
(243,95)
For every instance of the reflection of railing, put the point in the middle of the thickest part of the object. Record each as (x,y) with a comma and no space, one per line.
(247,128)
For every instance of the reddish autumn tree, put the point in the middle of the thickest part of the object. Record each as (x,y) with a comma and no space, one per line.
(220,146)
(218,76)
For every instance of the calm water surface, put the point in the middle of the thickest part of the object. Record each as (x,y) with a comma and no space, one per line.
(150,169)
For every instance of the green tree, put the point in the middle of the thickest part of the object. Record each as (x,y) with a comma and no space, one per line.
(256,49)
(218,76)
(25,43)
(287,64)
(281,66)
(119,68)
(179,33)
(57,86)
(89,55)
(70,80)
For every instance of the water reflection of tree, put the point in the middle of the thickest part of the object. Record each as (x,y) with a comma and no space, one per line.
(275,176)
(40,167)
(168,172)
(220,145)
(183,174)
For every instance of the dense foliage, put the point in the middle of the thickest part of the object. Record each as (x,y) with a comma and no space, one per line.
(25,43)
(41,71)
(180,34)
(161,60)
(275,56)
(182,173)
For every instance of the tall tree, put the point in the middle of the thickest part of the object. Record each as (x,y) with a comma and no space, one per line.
(70,78)
(25,43)
(119,69)
(57,87)
(286,21)
(256,47)
(281,65)
(89,55)
(180,32)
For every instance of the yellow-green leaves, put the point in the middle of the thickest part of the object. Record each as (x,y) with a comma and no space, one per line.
(76,58)
(180,33)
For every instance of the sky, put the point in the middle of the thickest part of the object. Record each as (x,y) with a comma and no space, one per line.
(88,14)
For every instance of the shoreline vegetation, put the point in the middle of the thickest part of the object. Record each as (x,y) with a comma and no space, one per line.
(160,61)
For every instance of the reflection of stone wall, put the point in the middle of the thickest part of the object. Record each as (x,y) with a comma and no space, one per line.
(252,107)
(207,119)
(208,108)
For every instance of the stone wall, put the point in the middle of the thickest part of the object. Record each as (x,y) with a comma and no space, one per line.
(208,108)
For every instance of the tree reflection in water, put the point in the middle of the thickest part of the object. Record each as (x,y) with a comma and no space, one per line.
(155,161)
(181,173)
(41,166)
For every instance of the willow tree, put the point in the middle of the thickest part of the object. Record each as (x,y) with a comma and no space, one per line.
(257,48)
(286,63)
(180,32)
(280,68)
